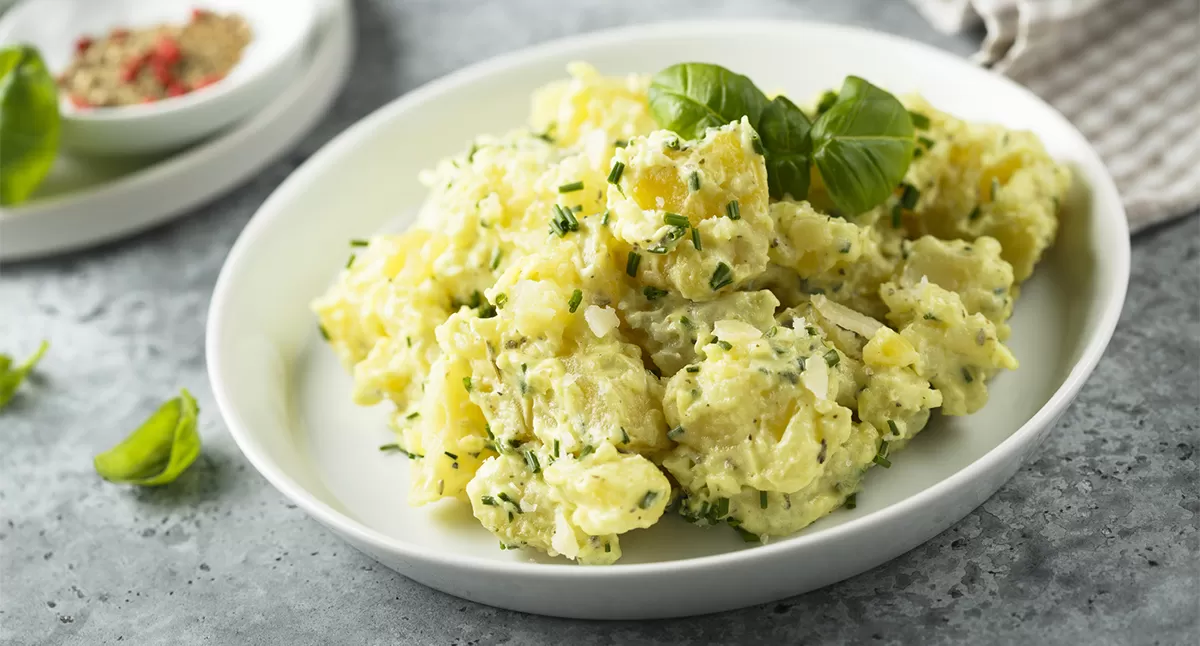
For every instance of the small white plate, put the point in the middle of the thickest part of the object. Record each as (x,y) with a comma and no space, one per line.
(271,63)
(287,401)
(86,201)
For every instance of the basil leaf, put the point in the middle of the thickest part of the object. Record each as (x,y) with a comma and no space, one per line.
(163,447)
(785,133)
(687,98)
(12,378)
(862,146)
(29,122)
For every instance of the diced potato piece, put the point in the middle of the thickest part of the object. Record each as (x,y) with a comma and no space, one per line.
(588,104)
(895,399)
(973,270)
(959,351)
(715,187)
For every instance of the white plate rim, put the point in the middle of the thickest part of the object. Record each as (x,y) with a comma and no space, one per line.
(1118,261)
(327,67)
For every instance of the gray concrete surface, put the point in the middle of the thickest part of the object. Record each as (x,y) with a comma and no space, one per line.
(1095,543)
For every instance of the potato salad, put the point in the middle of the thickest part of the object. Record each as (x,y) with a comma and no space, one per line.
(657,299)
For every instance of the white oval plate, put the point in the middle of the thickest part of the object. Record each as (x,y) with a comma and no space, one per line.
(85,202)
(286,400)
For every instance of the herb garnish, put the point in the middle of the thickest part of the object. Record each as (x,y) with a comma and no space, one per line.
(832,358)
(733,210)
(159,450)
(676,220)
(359,242)
(575,300)
(881,456)
(652,293)
(721,277)
(694,181)
(614,175)
(631,264)
(696,239)
(467,384)
(648,499)
(571,187)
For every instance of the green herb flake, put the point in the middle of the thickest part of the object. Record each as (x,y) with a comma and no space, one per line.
(687,323)
(501,299)
(897,214)
(966,375)
(762,500)
(648,499)
(881,456)
(631,263)
(531,460)
(722,276)
(995,188)
(893,428)
(733,210)
(919,121)
(696,240)
(467,384)
(620,143)
(614,175)
(413,415)
(692,369)
(497,256)
(974,214)
(909,197)
(653,293)
(159,450)
(724,345)
(676,220)
(450,455)
(359,242)
(624,436)
(694,181)
(604,218)
(571,187)
(350,261)
(832,358)
(852,501)
(576,299)
(926,141)
(748,537)
(587,450)
(323,331)
(556,447)
(676,433)
(490,502)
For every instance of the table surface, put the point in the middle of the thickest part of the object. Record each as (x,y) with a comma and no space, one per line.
(1095,542)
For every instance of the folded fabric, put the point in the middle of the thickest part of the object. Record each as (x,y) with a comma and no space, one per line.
(1125,72)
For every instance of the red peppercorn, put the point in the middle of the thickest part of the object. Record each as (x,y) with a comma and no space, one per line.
(167,50)
(83,44)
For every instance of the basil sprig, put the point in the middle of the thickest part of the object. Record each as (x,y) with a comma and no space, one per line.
(11,378)
(163,447)
(861,144)
(29,122)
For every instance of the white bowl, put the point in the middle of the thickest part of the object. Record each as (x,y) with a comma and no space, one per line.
(271,62)
(287,403)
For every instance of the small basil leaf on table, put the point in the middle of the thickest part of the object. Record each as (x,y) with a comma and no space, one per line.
(12,378)
(862,146)
(785,133)
(687,98)
(29,122)
(163,447)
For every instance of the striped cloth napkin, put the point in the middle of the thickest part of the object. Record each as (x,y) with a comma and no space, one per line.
(1125,72)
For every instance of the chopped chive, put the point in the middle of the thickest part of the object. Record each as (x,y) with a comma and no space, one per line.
(908,199)
(359,242)
(607,547)
(724,345)
(614,175)
(587,450)
(566,219)
(893,428)
(467,383)
(624,436)
(926,141)
(852,501)
(631,263)
(696,239)
(556,447)
(995,187)
(881,456)
(974,214)
(687,322)
(658,251)
(966,374)
(832,358)
(571,188)
(693,368)
(578,208)
(620,143)
(672,143)
(917,152)
(450,455)
(501,299)
(350,261)
(748,537)
(919,121)
(389,447)
(721,509)
(896,213)
(675,433)
(532,461)
(762,500)
(413,415)
(652,293)
(576,299)
(733,210)
(604,218)
(674,219)
(694,181)
(756,143)
(489,501)
(721,277)
(323,331)
(496,256)
(648,499)
(408,340)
